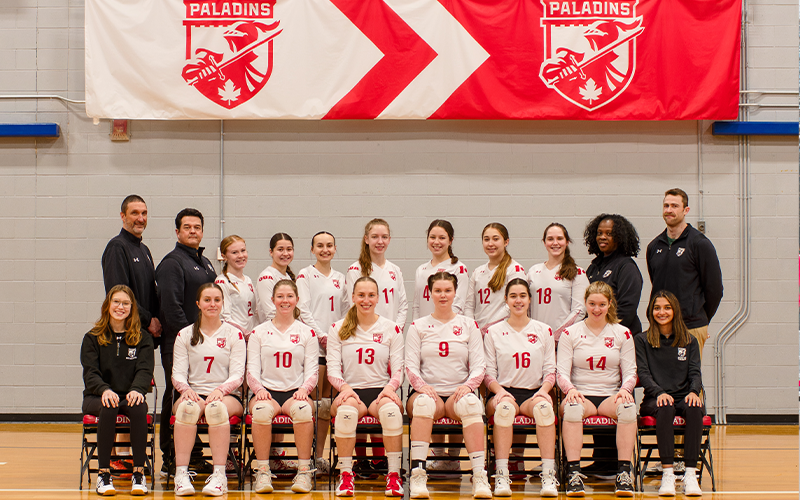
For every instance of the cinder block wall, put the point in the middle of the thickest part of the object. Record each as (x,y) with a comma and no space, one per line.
(60,199)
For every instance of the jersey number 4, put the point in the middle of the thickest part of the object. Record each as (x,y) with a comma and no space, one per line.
(600,365)
(426,294)
(544,295)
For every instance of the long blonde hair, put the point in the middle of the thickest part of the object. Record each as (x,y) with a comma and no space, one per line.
(133,325)
(606,291)
(680,333)
(350,322)
(499,275)
(223,247)
(365,259)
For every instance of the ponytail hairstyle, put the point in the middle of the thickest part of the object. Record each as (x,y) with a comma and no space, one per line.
(605,290)
(569,269)
(133,325)
(518,281)
(223,248)
(448,228)
(680,333)
(273,242)
(365,259)
(350,322)
(197,337)
(319,233)
(442,276)
(291,284)
(499,276)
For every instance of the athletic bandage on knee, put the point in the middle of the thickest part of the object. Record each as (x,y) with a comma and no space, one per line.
(424,406)
(188,413)
(543,413)
(346,422)
(391,419)
(324,409)
(626,413)
(504,414)
(216,414)
(573,412)
(262,412)
(301,412)
(470,410)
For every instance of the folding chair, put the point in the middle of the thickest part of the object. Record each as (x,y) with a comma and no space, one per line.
(644,449)
(523,426)
(281,424)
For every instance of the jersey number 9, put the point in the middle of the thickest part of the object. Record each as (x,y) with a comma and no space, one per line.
(444,349)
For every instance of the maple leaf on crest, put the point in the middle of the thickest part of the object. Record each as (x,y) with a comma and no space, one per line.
(591,92)
(229,92)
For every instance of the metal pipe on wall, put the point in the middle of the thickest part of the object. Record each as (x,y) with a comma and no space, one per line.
(221,179)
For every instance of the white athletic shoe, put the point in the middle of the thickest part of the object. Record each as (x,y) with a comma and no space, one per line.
(104,485)
(690,486)
(183,484)
(323,466)
(549,484)
(303,482)
(216,484)
(419,484)
(502,483)
(138,484)
(667,488)
(263,480)
(480,485)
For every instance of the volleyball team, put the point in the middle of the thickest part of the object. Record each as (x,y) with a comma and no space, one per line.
(517,334)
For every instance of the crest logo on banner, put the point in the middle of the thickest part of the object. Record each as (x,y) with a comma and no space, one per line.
(229,48)
(589,49)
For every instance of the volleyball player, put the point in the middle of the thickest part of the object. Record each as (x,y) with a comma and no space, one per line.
(117,360)
(445,364)
(597,373)
(240,305)
(281,249)
(208,367)
(520,371)
(282,366)
(558,284)
(365,364)
(322,303)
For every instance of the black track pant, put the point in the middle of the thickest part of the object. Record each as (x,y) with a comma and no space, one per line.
(107,428)
(665,431)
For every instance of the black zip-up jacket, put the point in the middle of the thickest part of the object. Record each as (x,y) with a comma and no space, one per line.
(671,370)
(116,366)
(624,277)
(180,273)
(127,261)
(689,268)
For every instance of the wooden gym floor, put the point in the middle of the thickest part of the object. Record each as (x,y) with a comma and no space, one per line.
(41,461)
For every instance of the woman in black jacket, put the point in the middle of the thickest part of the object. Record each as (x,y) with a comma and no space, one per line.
(117,365)
(668,365)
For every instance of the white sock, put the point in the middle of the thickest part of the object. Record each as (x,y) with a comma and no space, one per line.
(668,472)
(394,458)
(548,464)
(220,469)
(345,464)
(304,463)
(502,463)
(691,471)
(257,464)
(419,450)
(477,459)
(182,468)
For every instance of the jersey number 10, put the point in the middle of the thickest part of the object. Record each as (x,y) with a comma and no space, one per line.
(286,357)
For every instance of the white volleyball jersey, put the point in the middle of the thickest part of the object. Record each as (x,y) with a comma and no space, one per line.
(240,304)
(445,356)
(484,305)
(282,361)
(216,363)
(322,299)
(558,303)
(264,286)
(596,365)
(523,360)
(422,296)
(369,360)
(392,303)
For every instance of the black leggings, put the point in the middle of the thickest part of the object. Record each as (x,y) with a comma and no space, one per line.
(107,428)
(665,431)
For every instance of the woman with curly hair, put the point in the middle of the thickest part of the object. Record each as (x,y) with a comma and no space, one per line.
(614,241)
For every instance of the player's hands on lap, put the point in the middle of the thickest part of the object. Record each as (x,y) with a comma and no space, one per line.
(263,395)
(574,396)
(430,391)
(190,395)
(110,399)
(623,396)
(134,398)
(216,395)
(665,400)
(460,393)
(300,395)
(388,392)
(693,399)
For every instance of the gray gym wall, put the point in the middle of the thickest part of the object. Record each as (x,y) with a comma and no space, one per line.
(60,199)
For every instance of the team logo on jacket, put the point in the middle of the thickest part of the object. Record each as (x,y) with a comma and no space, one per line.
(294,339)
(607,273)
(229,48)
(457,330)
(393,275)
(377,337)
(221,343)
(680,252)
(532,338)
(131,353)
(609,342)
(336,284)
(589,49)
(681,354)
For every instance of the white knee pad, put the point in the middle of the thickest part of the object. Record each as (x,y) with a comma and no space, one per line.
(543,413)
(216,414)
(188,413)
(504,414)
(573,412)
(324,409)
(470,410)
(262,412)
(346,422)
(391,419)
(424,406)
(301,412)
(626,413)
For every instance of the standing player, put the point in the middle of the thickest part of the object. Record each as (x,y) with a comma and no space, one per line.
(440,244)
(209,367)
(240,296)
(520,371)
(282,357)
(322,303)
(558,284)
(485,297)
(597,373)
(281,249)
(365,364)
(445,364)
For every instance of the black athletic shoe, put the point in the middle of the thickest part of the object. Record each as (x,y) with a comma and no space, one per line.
(364,469)
(575,485)
(623,486)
